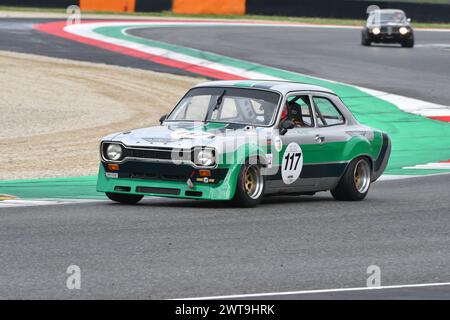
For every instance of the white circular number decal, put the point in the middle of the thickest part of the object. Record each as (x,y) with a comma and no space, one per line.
(292,164)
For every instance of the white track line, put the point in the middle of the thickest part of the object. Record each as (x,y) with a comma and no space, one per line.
(51,202)
(410,105)
(391,177)
(286,293)
(431,166)
(42,202)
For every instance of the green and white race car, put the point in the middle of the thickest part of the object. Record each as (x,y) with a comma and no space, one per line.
(243,140)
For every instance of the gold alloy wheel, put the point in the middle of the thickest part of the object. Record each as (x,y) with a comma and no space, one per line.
(253,181)
(362,176)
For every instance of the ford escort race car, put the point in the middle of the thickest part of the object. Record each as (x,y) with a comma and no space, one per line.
(243,140)
(388,26)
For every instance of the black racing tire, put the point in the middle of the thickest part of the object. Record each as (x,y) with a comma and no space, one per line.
(249,193)
(365,41)
(408,43)
(124,198)
(355,183)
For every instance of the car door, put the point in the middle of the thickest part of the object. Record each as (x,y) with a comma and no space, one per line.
(299,146)
(328,163)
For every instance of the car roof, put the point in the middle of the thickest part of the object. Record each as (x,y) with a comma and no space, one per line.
(388,10)
(281,86)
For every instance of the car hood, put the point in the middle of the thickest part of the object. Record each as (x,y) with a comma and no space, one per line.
(185,135)
(389,24)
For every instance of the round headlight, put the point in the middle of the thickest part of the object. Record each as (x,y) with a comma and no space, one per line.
(113,152)
(403,30)
(205,158)
(376,31)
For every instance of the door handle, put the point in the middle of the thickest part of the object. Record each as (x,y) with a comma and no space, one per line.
(319,139)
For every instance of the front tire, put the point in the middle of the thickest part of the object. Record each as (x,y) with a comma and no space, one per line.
(124,198)
(250,186)
(355,183)
(365,41)
(408,43)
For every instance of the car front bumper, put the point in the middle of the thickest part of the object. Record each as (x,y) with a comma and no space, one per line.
(390,38)
(123,183)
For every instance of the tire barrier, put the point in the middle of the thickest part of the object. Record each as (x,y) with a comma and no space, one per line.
(108,5)
(209,7)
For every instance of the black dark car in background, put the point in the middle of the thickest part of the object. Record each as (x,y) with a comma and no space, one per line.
(388,26)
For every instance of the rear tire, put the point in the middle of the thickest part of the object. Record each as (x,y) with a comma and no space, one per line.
(250,186)
(124,198)
(355,183)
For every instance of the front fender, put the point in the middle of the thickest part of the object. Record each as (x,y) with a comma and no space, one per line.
(244,152)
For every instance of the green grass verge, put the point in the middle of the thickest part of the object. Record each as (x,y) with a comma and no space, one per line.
(53,188)
(32,9)
(169,14)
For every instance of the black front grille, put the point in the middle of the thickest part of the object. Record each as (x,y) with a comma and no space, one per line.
(150,154)
(385,30)
(156,153)
(159,154)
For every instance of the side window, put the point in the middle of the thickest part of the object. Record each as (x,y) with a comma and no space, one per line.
(263,110)
(299,110)
(326,112)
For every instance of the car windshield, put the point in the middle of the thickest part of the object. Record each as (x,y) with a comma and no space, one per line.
(229,105)
(396,17)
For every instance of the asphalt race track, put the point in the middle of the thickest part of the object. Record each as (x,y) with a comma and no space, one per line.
(18,35)
(178,248)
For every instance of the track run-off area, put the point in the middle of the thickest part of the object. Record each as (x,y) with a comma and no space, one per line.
(419,129)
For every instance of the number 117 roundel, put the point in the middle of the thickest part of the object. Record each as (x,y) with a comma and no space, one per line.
(243,140)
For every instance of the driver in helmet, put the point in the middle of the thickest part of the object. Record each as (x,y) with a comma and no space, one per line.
(293,112)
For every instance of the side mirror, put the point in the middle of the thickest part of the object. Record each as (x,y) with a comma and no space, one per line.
(161,120)
(285,126)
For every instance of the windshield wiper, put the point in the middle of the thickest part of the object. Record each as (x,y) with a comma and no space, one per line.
(216,105)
